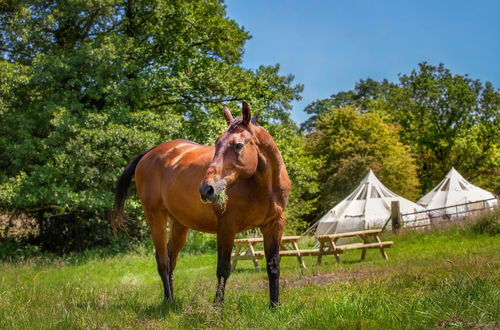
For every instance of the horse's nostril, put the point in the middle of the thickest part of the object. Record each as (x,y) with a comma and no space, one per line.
(206,191)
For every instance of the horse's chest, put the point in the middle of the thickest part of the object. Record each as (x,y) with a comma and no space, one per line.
(244,216)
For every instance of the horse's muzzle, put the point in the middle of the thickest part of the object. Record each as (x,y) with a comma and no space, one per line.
(207,192)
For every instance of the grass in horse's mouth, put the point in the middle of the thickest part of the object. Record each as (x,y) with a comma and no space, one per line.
(221,198)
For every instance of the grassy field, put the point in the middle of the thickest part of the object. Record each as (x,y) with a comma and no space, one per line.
(444,279)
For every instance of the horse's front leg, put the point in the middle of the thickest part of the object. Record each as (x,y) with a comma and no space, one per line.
(225,241)
(272,237)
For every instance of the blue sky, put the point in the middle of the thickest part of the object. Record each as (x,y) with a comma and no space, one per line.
(330,45)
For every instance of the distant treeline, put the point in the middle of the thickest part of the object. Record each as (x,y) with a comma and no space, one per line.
(84,87)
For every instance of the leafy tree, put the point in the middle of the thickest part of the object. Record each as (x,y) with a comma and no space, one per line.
(349,143)
(364,92)
(449,120)
(446,119)
(86,85)
(303,169)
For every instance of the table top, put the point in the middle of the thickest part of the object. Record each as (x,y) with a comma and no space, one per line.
(368,232)
(261,239)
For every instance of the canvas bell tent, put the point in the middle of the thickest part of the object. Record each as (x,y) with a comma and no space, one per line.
(454,196)
(368,206)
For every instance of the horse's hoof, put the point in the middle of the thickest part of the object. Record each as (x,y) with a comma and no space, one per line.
(168,300)
(274,305)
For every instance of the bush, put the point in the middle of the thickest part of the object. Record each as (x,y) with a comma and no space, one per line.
(15,251)
(487,224)
(199,242)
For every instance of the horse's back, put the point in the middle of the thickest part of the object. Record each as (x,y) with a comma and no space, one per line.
(169,176)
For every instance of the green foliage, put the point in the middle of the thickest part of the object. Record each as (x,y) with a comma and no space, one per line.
(85,86)
(488,224)
(16,252)
(365,91)
(449,120)
(199,243)
(303,171)
(349,143)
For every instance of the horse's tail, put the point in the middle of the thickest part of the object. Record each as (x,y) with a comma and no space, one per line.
(122,193)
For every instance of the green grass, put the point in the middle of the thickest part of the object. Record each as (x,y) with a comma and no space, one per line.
(443,279)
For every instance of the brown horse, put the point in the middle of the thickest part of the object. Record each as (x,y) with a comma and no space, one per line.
(238,184)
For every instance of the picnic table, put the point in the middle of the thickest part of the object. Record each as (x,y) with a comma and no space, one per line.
(245,250)
(246,247)
(328,243)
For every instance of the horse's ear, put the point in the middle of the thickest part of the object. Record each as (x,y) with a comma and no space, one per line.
(245,111)
(227,114)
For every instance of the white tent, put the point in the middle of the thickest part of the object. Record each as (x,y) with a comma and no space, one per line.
(454,190)
(368,206)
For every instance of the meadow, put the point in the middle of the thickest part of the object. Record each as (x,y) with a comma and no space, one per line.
(447,278)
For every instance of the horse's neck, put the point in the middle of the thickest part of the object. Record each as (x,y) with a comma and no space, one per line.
(270,173)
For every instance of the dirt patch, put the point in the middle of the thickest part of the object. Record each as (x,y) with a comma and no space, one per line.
(331,278)
(460,323)
(315,279)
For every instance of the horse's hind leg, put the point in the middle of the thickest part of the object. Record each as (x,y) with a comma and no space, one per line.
(178,236)
(157,220)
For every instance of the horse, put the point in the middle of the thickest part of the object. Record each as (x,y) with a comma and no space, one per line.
(239,184)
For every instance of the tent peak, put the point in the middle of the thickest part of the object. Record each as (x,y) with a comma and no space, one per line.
(370,175)
(454,173)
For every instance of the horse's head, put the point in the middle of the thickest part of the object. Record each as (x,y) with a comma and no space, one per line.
(236,156)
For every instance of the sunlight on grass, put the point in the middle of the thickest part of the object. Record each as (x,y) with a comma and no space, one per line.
(447,278)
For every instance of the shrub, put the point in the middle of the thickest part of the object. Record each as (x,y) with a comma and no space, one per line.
(199,242)
(487,224)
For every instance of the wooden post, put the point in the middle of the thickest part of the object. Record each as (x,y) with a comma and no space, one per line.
(395,216)
(299,257)
(363,251)
(382,251)
(236,254)
(320,254)
(252,252)
(333,244)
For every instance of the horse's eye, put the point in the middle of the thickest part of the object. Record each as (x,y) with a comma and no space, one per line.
(238,146)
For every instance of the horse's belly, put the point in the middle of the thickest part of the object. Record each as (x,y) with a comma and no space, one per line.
(181,197)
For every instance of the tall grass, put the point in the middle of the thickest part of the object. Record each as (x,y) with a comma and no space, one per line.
(447,278)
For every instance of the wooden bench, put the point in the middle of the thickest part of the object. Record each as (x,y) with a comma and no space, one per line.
(328,243)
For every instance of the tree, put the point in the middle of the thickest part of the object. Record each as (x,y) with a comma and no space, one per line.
(449,120)
(303,169)
(90,84)
(364,92)
(446,119)
(349,143)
